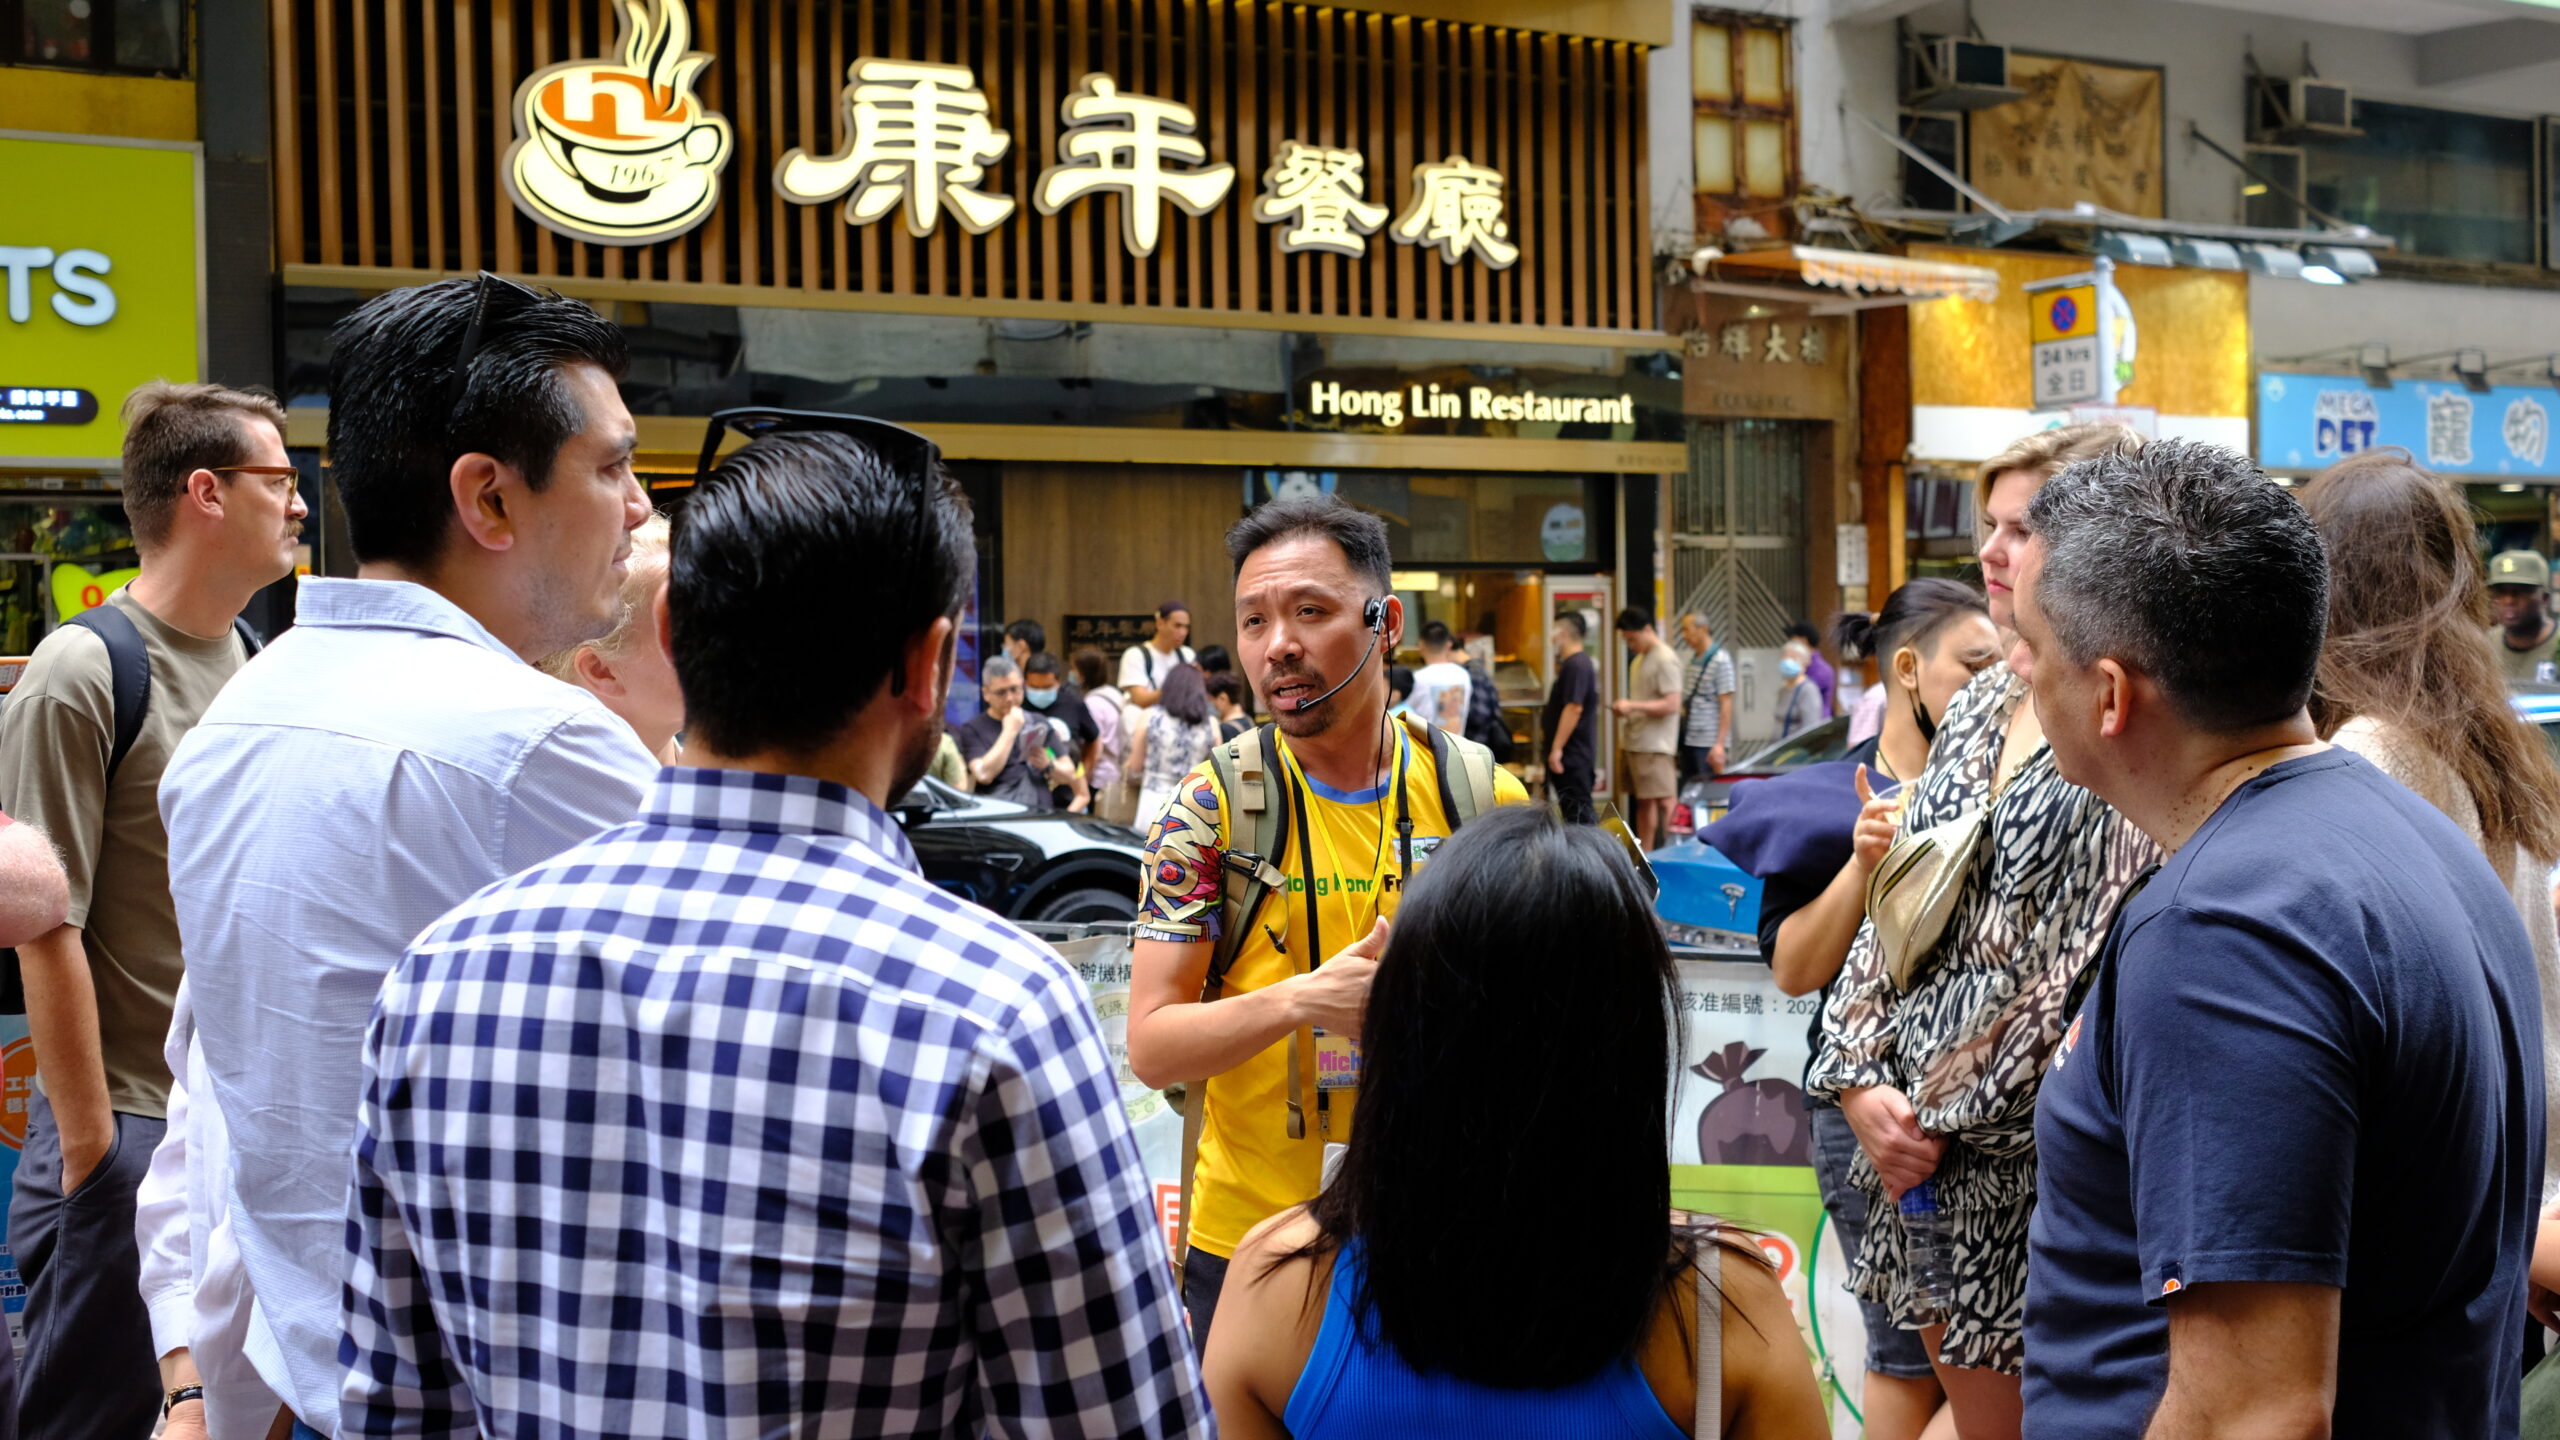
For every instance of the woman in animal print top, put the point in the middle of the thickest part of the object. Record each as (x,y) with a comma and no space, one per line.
(1940,1081)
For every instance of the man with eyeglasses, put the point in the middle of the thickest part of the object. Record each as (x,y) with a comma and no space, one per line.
(803,1143)
(393,753)
(215,509)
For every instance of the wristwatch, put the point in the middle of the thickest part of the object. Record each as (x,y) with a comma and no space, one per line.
(180,1396)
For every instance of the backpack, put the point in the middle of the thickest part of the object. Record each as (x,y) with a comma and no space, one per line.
(129,682)
(1257,836)
(1484,724)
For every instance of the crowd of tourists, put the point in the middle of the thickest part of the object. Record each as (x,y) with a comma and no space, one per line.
(505,1004)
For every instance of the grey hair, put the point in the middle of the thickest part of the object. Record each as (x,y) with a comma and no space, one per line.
(997,668)
(2184,562)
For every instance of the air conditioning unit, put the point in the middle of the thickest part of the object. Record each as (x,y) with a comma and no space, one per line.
(2267,206)
(2302,106)
(1941,138)
(1949,72)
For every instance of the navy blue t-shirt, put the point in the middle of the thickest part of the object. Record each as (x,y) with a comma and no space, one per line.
(2312,1054)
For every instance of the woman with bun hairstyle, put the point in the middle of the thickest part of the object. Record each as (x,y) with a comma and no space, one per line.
(1795,833)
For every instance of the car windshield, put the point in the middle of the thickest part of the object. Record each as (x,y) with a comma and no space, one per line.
(1826,741)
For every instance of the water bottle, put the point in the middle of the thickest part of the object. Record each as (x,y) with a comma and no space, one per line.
(1926,1250)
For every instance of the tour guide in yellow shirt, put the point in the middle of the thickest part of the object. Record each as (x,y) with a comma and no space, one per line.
(1313,610)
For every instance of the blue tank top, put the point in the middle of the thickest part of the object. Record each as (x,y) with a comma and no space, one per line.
(1353,1389)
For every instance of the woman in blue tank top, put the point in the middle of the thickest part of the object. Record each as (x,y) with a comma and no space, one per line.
(1498,1256)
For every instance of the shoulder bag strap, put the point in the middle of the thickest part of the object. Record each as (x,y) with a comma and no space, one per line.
(1708,1423)
(251,642)
(129,672)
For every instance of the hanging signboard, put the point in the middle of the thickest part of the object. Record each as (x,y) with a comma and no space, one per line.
(99,289)
(2306,422)
(2064,345)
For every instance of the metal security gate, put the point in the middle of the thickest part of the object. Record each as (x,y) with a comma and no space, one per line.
(1737,528)
(1737,550)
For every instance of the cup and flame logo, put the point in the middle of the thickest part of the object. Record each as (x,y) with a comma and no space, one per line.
(621,154)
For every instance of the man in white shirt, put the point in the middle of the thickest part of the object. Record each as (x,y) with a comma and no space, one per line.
(1442,687)
(1143,667)
(395,751)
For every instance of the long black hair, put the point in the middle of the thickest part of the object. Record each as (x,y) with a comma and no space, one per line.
(1517,1083)
(1912,615)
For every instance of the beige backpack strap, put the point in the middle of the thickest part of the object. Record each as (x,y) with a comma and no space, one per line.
(1250,871)
(1465,770)
(1708,1423)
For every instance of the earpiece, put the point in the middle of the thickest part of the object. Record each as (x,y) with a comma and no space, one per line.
(1374,614)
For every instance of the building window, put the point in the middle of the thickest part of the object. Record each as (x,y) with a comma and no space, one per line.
(2446,184)
(126,36)
(1744,124)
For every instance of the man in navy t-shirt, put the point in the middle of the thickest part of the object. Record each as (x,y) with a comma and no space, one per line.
(2289,1147)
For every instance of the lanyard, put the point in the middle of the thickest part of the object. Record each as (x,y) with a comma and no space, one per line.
(1314,950)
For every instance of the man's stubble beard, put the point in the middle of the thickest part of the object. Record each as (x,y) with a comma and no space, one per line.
(917,758)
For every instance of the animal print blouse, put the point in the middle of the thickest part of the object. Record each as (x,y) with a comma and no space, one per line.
(1969,1042)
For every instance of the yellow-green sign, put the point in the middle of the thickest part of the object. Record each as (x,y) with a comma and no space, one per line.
(100,289)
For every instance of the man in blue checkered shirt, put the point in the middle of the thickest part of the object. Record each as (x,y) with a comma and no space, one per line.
(727,1122)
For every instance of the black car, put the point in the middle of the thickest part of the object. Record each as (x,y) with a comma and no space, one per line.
(1703,801)
(1023,865)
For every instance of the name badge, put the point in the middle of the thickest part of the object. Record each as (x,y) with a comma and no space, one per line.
(1337,1062)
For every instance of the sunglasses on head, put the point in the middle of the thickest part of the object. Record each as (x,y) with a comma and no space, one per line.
(907,452)
(485,289)
(915,459)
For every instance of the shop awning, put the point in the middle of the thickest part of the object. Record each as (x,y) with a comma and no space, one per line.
(1864,274)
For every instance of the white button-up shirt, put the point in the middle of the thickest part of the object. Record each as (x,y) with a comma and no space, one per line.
(192,1278)
(375,766)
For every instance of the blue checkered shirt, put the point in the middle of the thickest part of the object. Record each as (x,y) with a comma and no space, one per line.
(727,1122)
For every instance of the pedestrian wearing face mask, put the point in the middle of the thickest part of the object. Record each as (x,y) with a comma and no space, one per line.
(1054,701)
(1799,699)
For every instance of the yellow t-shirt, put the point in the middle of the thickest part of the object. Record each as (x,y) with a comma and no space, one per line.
(1249,1168)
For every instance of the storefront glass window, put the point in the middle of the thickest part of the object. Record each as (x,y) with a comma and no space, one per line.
(137,35)
(149,34)
(48,544)
(2442,183)
(1558,521)
(951,369)
(58,32)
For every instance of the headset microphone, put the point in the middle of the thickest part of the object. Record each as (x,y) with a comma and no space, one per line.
(1375,613)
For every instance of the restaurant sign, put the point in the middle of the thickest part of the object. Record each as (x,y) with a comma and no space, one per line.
(622,152)
(1392,407)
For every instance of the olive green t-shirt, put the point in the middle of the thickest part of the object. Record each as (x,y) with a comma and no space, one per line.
(2525,665)
(55,731)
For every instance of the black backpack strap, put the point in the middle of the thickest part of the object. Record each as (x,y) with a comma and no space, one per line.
(129,671)
(251,642)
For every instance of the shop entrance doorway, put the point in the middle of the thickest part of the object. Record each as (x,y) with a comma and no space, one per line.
(1738,551)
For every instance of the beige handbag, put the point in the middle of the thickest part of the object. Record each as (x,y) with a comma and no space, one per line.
(1914,892)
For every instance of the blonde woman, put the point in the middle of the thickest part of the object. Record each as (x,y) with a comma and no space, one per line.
(628,670)
(1939,1080)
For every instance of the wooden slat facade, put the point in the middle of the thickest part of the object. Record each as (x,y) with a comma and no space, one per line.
(393,119)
